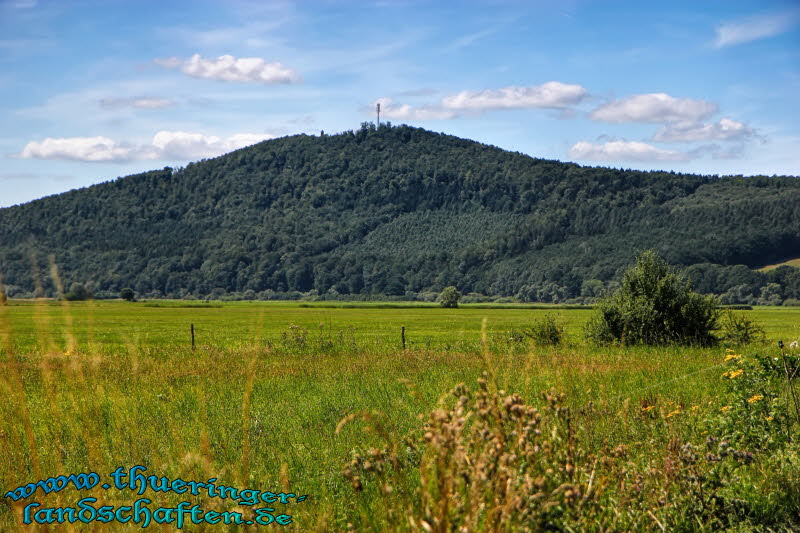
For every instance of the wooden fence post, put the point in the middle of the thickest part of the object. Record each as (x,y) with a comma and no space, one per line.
(192,327)
(789,384)
(403,336)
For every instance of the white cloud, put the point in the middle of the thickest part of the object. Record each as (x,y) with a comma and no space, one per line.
(142,102)
(623,151)
(724,130)
(229,68)
(550,95)
(181,145)
(77,149)
(654,107)
(165,145)
(393,111)
(754,28)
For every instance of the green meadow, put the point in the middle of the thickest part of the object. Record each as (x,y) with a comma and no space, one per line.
(282,396)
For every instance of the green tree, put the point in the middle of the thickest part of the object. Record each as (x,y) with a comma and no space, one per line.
(127,294)
(592,288)
(770,295)
(654,306)
(78,292)
(449,297)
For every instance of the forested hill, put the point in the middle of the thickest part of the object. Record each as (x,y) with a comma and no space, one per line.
(400,210)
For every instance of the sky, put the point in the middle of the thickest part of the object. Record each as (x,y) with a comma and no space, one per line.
(94,90)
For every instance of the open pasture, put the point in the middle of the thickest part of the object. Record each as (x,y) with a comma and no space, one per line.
(89,387)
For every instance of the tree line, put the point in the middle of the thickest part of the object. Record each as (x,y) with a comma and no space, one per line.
(401,212)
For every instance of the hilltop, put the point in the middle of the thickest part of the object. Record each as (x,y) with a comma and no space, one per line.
(399,210)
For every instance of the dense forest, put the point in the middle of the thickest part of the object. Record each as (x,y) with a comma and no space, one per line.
(401,212)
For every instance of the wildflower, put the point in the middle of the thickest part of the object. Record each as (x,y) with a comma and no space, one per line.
(648,408)
(732,356)
(733,374)
(726,409)
(673,413)
(769,419)
(695,408)
(754,398)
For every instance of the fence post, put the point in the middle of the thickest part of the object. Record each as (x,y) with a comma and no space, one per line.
(192,328)
(789,381)
(403,336)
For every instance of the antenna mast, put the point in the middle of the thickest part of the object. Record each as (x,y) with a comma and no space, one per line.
(378,110)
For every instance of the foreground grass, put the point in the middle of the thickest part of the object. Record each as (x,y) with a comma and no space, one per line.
(95,386)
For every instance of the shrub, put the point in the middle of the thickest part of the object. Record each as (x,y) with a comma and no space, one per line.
(78,292)
(449,297)
(127,294)
(740,329)
(792,302)
(488,461)
(654,306)
(545,331)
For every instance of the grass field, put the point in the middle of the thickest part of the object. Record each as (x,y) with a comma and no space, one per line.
(92,386)
(790,262)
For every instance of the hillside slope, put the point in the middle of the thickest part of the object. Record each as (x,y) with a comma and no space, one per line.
(393,210)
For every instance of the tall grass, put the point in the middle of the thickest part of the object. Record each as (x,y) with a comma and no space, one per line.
(97,385)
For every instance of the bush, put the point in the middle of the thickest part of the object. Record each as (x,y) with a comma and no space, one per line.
(486,460)
(449,297)
(127,294)
(740,329)
(791,302)
(654,306)
(546,331)
(78,292)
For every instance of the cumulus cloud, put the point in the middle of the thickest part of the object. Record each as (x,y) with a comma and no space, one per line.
(229,68)
(623,151)
(183,145)
(754,28)
(725,130)
(391,110)
(140,102)
(165,145)
(77,149)
(654,107)
(550,95)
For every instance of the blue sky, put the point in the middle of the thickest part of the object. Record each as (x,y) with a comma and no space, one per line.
(94,90)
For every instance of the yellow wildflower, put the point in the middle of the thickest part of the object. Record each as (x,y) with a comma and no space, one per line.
(733,374)
(648,408)
(732,356)
(695,408)
(754,398)
(673,413)
(769,419)
(726,409)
